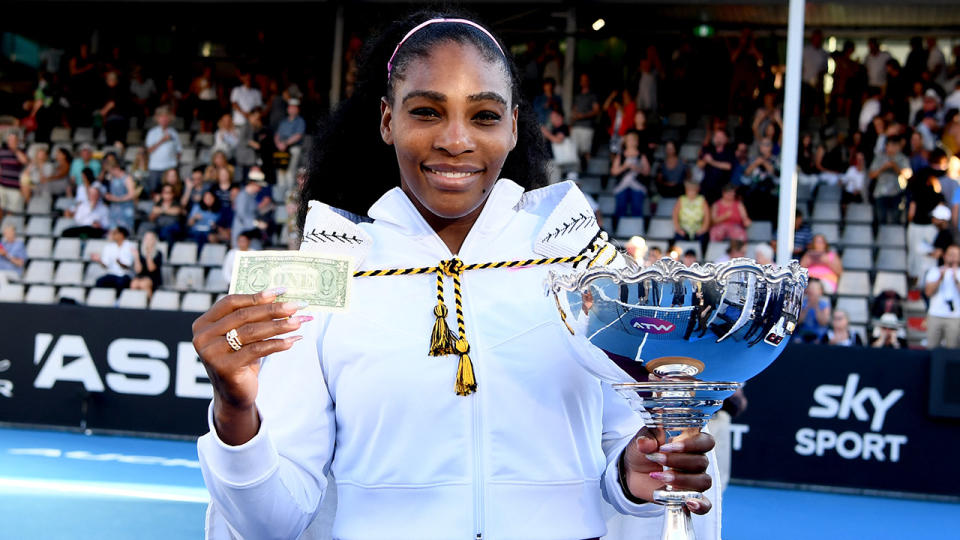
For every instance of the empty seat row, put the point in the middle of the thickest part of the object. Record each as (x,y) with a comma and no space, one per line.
(107,297)
(857,283)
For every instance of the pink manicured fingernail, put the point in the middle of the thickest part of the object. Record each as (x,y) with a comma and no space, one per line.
(665,476)
(693,504)
(294,339)
(277,291)
(657,458)
(303,318)
(672,447)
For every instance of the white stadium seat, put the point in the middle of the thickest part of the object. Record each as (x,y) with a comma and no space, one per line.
(41,294)
(195,301)
(132,299)
(102,297)
(165,300)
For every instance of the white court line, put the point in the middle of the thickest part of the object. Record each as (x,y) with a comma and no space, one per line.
(131,491)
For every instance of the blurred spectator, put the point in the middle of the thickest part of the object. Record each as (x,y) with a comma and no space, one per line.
(171,177)
(848,81)
(802,235)
(806,154)
(12,161)
(814,317)
(193,188)
(728,217)
(650,71)
(915,104)
(84,161)
(242,243)
(671,172)
(58,183)
(288,140)
(916,59)
(896,92)
(114,109)
(735,250)
(886,333)
(854,181)
(952,102)
(583,114)
(923,194)
(631,169)
(763,254)
(140,170)
(547,101)
(839,333)
(950,140)
(654,254)
(117,257)
(621,113)
(88,180)
(813,69)
(147,264)
(876,64)
(636,247)
(649,138)
(870,108)
(762,177)
(206,99)
(143,93)
(254,147)
(245,211)
(121,194)
(886,170)
(562,148)
(91,216)
(942,286)
(768,114)
(716,161)
(226,191)
(203,219)
(164,148)
(13,253)
(218,162)
(243,99)
(741,160)
(745,80)
(35,174)
(226,137)
(691,215)
(830,160)
(167,215)
(933,247)
(823,263)
(918,154)
(689,257)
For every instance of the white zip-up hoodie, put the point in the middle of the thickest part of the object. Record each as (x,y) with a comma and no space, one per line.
(532,454)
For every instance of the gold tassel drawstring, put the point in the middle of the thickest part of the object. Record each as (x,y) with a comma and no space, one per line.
(444,341)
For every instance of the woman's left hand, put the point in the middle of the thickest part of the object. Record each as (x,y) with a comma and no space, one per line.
(647,455)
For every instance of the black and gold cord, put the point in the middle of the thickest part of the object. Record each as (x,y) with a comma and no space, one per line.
(443,341)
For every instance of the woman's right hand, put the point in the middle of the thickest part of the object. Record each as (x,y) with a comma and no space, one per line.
(257,318)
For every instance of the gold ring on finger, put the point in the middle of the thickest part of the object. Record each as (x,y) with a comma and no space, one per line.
(233,340)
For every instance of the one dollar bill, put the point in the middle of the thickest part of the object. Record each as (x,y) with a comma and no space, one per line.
(321,280)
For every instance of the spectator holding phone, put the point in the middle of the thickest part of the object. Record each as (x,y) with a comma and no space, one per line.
(942,285)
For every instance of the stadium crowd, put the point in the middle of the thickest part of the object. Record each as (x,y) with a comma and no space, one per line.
(145,186)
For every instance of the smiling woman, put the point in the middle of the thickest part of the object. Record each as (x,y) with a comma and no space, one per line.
(493,430)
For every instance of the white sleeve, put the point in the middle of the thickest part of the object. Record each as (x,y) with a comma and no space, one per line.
(620,425)
(271,486)
(152,137)
(234,97)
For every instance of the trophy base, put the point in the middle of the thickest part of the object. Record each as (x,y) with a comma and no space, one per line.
(677,523)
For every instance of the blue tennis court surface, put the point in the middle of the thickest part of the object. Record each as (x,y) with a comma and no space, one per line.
(56,485)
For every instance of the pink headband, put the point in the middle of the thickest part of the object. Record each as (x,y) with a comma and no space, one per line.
(434,21)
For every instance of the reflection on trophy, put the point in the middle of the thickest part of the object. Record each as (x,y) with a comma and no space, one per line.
(688,337)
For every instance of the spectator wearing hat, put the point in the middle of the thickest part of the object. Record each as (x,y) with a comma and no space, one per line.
(13,253)
(288,139)
(164,148)
(945,237)
(83,161)
(886,333)
(942,286)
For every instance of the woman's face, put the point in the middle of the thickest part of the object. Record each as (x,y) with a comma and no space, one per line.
(170,177)
(819,243)
(208,198)
(219,159)
(839,320)
(167,193)
(452,124)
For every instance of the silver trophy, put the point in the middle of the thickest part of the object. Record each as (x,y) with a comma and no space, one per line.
(684,338)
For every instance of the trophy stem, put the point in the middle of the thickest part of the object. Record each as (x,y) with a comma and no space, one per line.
(677,524)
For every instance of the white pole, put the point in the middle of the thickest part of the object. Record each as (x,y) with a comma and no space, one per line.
(336,66)
(791,128)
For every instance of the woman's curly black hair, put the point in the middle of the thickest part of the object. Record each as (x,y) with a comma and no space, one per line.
(350,165)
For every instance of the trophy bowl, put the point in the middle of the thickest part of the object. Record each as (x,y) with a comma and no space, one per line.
(684,337)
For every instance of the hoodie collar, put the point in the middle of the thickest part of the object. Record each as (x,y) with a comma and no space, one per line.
(395,208)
